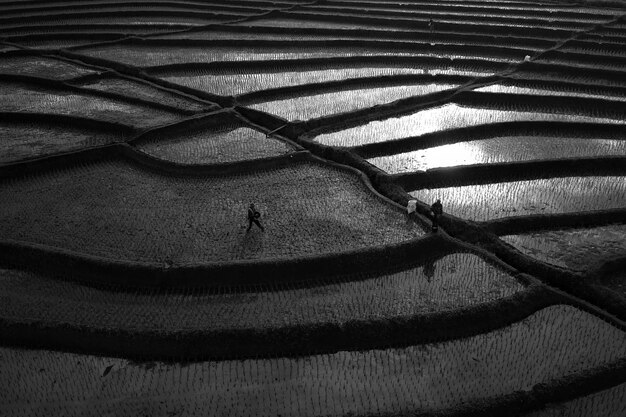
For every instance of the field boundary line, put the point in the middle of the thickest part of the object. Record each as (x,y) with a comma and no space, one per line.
(288,341)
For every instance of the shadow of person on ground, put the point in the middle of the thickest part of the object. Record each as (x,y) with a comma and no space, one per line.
(429,269)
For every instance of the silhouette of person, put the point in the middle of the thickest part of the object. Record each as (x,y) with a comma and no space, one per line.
(431,25)
(253,217)
(437,210)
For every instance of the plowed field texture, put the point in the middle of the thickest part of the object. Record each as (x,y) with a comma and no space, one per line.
(205,208)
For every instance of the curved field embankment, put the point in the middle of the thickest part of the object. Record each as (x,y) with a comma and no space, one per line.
(562,71)
(22,135)
(465,175)
(129,5)
(521,224)
(438,118)
(537,86)
(47,96)
(333,221)
(541,30)
(220,138)
(152,52)
(196,17)
(326,104)
(445,18)
(569,107)
(501,378)
(131,71)
(281,65)
(558,194)
(538,129)
(38,32)
(455,226)
(497,150)
(575,59)
(63,39)
(474,8)
(593,47)
(140,250)
(608,402)
(277,32)
(273,319)
(22,62)
(144,91)
(364,83)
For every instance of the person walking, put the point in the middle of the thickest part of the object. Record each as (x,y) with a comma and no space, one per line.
(253,217)
(437,209)
(431,26)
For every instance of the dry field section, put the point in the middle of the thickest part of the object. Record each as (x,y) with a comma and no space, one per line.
(28,140)
(417,379)
(123,211)
(134,135)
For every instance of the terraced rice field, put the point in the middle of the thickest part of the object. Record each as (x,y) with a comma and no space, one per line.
(449,116)
(607,403)
(393,380)
(135,135)
(238,84)
(214,147)
(30,140)
(518,198)
(153,56)
(42,67)
(310,107)
(501,149)
(452,282)
(24,98)
(147,92)
(200,219)
(499,88)
(573,248)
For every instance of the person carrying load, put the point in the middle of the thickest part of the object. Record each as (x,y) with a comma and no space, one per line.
(253,217)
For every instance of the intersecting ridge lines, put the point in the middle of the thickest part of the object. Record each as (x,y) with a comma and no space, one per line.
(145,197)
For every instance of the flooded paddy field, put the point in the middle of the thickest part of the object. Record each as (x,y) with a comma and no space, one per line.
(496,150)
(296,386)
(449,116)
(206,208)
(517,198)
